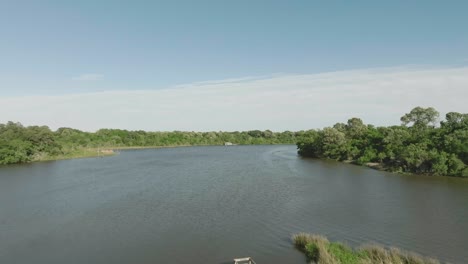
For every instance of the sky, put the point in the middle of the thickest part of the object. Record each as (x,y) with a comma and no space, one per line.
(229,65)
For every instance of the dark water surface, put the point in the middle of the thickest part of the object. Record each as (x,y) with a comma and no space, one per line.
(211,204)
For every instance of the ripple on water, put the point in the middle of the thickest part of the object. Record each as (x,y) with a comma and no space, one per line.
(212,204)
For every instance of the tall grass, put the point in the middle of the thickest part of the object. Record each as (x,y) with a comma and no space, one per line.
(321,251)
(74,153)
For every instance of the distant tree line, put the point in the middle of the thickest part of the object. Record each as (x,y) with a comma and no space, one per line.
(19,144)
(419,145)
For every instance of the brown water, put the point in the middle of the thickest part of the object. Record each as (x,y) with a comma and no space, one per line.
(211,204)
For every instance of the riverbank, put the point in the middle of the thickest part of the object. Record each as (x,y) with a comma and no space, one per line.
(319,250)
(101,152)
(108,151)
(382,167)
(423,148)
(154,147)
(76,154)
(20,144)
(95,152)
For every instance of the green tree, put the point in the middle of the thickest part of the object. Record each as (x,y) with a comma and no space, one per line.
(355,128)
(334,143)
(420,117)
(417,146)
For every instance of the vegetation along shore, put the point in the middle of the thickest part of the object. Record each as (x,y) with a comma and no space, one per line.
(419,145)
(21,144)
(321,251)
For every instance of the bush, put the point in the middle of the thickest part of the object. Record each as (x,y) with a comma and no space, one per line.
(455,166)
(369,155)
(464,173)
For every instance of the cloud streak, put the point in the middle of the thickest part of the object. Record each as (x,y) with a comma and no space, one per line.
(285,102)
(88,77)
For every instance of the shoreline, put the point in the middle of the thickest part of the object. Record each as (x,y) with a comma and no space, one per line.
(378,167)
(103,152)
(202,145)
(155,147)
(79,154)
(318,249)
(112,151)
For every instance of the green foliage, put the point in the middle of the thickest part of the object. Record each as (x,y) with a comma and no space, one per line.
(344,254)
(464,172)
(416,158)
(319,250)
(421,148)
(309,143)
(355,128)
(369,155)
(334,143)
(420,117)
(20,144)
(455,166)
(312,251)
(15,151)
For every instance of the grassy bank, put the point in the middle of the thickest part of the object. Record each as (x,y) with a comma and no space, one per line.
(99,152)
(76,154)
(190,145)
(153,147)
(321,251)
(103,151)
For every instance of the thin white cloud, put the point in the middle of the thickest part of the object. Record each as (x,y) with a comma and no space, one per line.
(89,77)
(285,102)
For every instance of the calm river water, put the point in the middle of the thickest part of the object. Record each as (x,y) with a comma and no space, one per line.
(211,204)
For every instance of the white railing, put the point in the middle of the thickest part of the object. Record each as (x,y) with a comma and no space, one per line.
(247,260)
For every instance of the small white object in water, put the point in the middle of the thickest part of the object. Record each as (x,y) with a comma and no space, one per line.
(247,260)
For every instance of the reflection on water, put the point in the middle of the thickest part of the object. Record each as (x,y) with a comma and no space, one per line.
(211,204)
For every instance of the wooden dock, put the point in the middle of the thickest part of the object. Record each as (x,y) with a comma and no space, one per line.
(247,260)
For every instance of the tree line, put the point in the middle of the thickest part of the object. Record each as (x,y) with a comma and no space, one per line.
(19,144)
(419,145)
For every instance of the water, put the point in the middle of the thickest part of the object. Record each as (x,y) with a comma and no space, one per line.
(211,204)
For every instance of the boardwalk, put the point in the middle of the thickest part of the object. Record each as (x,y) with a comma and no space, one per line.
(247,260)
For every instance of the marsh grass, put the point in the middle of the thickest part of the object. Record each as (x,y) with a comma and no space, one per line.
(74,154)
(321,251)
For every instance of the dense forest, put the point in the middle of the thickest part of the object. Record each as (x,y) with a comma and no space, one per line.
(19,144)
(419,145)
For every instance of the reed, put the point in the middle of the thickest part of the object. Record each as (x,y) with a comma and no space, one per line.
(318,249)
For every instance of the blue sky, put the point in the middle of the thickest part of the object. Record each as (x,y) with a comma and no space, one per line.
(59,48)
